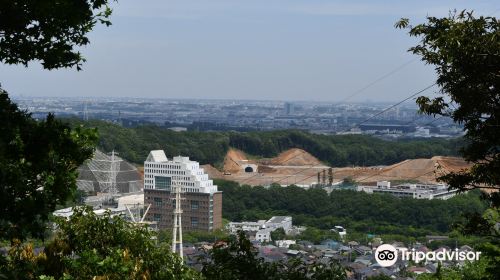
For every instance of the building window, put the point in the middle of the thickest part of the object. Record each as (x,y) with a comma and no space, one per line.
(157,217)
(158,201)
(163,183)
(194,222)
(195,205)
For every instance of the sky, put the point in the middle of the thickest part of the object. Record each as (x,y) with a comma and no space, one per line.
(291,50)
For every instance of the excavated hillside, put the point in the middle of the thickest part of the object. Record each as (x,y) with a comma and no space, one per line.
(294,157)
(233,159)
(212,172)
(296,166)
(424,170)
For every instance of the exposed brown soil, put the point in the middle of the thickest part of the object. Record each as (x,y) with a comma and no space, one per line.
(233,159)
(423,170)
(297,166)
(294,157)
(212,172)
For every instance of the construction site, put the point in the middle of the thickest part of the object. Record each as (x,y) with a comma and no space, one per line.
(296,166)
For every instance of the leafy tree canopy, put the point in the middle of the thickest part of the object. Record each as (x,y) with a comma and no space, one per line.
(236,258)
(465,51)
(357,211)
(135,143)
(38,162)
(48,30)
(88,246)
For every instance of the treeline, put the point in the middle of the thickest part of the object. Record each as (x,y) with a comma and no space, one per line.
(357,211)
(135,143)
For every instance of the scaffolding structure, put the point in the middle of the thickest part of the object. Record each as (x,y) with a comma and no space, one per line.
(177,228)
(105,169)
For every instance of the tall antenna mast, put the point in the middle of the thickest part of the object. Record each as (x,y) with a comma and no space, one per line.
(114,166)
(85,111)
(177,228)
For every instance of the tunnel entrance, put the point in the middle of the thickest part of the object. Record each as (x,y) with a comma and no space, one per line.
(248,169)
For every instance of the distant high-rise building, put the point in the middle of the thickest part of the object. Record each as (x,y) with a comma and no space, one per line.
(201,204)
(289,108)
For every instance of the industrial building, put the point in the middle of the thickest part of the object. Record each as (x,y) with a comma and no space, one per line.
(417,191)
(201,202)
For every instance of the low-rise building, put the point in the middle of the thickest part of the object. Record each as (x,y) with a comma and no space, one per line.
(284,222)
(263,235)
(416,191)
(245,226)
(263,228)
(284,243)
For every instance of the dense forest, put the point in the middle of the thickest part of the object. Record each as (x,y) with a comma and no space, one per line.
(357,211)
(135,143)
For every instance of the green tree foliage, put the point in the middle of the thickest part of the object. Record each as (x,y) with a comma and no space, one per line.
(38,162)
(278,234)
(48,30)
(135,143)
(357,211)
(471,271)
(465,51)
(379,277)
(88,246)
(237,259)
(204,236)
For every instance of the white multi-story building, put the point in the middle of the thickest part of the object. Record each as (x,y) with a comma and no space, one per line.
(202,202)
(161,173)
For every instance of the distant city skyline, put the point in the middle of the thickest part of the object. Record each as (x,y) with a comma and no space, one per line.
(313,50)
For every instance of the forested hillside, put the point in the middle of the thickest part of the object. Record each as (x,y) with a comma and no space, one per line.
(135,143)
(357,211)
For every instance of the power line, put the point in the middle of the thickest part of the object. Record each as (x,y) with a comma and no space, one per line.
(398,103)
(377,80)
(371,117)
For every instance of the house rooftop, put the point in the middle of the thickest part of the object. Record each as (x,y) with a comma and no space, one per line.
(279,219)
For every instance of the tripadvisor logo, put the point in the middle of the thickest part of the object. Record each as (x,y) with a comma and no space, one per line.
(387,255)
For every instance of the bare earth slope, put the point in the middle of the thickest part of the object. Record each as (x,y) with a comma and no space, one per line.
(233,159)
(294,157)
(296,166)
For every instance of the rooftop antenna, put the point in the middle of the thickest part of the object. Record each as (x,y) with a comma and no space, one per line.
(177,228)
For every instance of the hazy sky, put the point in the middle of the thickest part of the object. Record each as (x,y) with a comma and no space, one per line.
(247,49)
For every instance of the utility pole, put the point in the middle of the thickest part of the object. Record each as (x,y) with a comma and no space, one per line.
(330,176)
